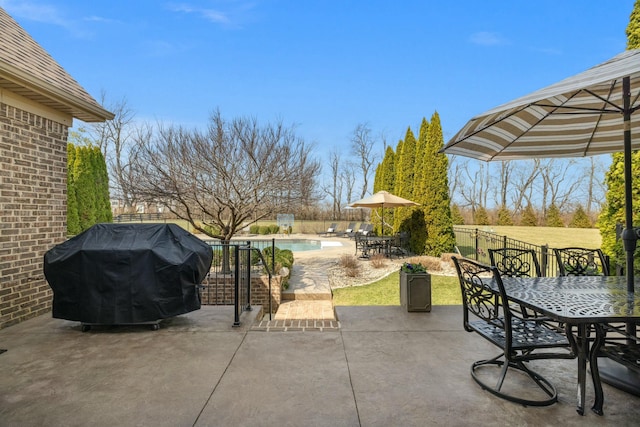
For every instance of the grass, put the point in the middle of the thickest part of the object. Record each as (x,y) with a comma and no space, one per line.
(555,237)
(445,290)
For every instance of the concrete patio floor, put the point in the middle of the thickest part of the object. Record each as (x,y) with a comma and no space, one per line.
(382,367)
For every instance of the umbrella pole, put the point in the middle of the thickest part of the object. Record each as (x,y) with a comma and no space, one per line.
(611,372)
(628,236)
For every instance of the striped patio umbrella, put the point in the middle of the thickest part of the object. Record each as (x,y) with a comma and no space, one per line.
(587,114)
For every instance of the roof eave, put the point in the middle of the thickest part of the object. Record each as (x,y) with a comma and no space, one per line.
(80,109)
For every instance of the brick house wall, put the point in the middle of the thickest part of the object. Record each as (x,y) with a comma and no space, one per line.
(33,175)
(38,102)
(221,292)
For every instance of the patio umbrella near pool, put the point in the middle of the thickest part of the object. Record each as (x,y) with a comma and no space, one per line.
(588,114)
(382,199)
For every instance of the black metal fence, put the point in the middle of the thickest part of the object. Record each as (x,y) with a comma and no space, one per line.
(229,280)
(474,243)
(135,217)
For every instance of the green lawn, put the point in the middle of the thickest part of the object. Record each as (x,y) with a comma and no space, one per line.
(445,290)
(555,237)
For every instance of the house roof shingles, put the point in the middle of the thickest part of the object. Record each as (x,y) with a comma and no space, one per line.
(28,70)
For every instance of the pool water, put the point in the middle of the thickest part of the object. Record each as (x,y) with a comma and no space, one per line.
(294,245)
(299,245)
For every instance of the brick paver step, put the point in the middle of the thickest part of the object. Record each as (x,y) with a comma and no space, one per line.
(306,309)
(297,325)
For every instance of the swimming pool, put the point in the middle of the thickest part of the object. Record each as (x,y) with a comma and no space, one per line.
(294,245)
(297,245)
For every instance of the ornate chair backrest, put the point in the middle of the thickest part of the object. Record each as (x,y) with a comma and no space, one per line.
(581,262)
(479,298)
(515,262)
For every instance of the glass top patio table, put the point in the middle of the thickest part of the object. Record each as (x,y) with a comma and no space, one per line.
(579,302)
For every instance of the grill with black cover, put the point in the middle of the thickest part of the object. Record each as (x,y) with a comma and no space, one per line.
(116,274)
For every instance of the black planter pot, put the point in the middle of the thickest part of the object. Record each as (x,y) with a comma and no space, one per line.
(415,291)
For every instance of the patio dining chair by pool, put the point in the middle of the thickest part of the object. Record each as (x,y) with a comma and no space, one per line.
(521,339)
(400,244)
(581,262)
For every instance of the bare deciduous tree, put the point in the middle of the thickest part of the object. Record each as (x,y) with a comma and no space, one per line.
(335,186)
(506,169)
(348,177)
(115,138)
(523,179)
(234,173)
(558,183)
(362,148)
(595,188)
(456,164)
(472,185)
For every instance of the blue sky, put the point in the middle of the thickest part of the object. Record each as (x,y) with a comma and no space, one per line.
(324,66)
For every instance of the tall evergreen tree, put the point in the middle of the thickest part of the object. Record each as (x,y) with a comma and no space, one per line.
(377,177)
(404,179)
(396,164)
(633,29)
(375,214)
(85,187)
(405,166)
(435,201)
(385,180)
(421,162)
(73,221)
(101,179)
(389,170)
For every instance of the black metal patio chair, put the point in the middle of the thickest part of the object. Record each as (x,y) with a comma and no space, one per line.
(516,262)
(521,339)
(399,245)
(581,262)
